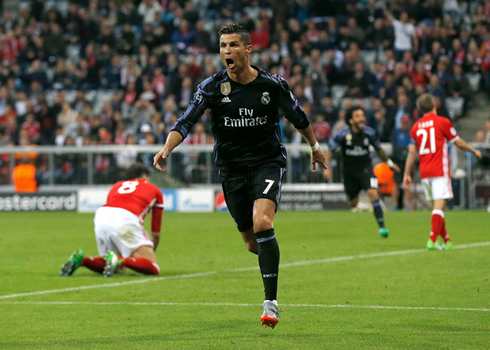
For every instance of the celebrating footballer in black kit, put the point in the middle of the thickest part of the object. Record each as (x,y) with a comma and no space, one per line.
(354,142)
(246,104)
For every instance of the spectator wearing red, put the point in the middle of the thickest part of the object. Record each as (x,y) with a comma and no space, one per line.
(32,128)
(321,128)
(10,48)
(260,36)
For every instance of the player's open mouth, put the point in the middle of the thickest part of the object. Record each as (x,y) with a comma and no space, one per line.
(229,63)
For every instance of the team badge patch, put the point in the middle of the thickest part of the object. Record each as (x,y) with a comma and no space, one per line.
(225,88)
(366,142)
(198,97)
(265,99)
(348,139)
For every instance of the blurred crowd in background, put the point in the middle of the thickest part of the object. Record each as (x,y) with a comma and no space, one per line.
(102,72)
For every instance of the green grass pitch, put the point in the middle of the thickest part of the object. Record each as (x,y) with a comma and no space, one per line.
(358,291)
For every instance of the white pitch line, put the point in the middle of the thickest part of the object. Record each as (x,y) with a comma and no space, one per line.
(251,268)
(347,306)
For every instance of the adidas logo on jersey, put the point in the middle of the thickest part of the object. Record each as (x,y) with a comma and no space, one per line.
(225,99)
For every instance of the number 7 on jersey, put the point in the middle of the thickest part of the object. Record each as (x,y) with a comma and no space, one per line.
(270,183)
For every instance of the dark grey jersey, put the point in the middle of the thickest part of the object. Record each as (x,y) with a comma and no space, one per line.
(245,119)
(355,148)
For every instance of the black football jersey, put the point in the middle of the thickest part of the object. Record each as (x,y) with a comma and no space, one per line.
(245,119)
(355,148)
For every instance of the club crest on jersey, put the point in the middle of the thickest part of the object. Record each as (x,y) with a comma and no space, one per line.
(348,139)
(225,88)
(265,99)
(366,142)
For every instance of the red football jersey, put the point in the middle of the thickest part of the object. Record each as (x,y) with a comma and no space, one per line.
(139,197)
(431,133)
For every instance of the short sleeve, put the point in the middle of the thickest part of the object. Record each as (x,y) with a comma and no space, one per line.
(374,140)
(334,141)
(397,24)
(449,131)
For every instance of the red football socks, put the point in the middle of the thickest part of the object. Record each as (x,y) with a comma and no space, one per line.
(438,226)
(96,264)
(444,234)
(141,265)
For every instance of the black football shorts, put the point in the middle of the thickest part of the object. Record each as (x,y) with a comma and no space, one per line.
(242,191)
(363,180)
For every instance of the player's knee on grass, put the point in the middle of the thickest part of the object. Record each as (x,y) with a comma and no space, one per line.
(146,252)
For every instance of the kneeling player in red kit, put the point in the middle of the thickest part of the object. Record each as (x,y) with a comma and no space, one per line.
(121,238)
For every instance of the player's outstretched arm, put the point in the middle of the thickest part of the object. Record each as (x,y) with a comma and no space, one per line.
(384,157)
(387,13)
(173,140)
(462,145)
(407,178)
(317,154)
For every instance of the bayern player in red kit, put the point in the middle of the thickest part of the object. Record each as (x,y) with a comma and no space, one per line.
(430,136)
(121,238)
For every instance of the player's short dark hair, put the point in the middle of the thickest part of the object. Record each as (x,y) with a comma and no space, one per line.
(235,28)
(349,113)
(136,171)
(425,103)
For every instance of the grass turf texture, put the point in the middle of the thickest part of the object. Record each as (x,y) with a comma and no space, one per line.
(34,245)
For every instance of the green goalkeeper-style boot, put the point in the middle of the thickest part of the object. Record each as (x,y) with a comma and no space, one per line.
(112,263)
(73,263)
(448,245)
(431,245)
(383,232)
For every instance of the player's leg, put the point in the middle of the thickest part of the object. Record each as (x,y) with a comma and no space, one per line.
(352,189)
(78,258)
(143,260)
(378,212)
(441,191)
(132,248)
(369,183)
(266,190)
(248,237)
(353,203)
(427,186)
(269,257)
(240,207)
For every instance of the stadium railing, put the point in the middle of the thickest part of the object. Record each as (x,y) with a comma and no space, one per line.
(475,179)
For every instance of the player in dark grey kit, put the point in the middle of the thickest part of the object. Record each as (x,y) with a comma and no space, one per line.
(354,142)
(246,104)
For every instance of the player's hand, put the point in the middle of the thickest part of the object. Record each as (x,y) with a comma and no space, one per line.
(396,168)
(407,181)
(159,160)
(318,157)
(477,154)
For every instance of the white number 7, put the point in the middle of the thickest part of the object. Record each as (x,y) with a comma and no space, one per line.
(270,183)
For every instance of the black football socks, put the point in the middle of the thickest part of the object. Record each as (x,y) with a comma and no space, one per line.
(268,261)
(378,213)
